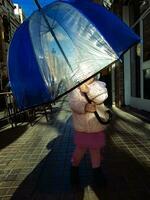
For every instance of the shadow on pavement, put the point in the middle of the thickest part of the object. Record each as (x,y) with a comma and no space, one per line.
(127,178)
(8,136)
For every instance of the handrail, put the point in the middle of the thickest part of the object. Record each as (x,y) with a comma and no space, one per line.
(3,93)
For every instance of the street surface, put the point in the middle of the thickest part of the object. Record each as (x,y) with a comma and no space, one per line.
(35,160)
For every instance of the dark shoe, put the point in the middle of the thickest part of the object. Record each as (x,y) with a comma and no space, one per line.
(74,175)
(99,177)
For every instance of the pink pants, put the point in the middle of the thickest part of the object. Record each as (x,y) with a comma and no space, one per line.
(92,142)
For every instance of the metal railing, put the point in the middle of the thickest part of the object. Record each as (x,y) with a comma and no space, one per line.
(9,112)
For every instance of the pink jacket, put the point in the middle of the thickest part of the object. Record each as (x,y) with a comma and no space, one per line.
(85,121)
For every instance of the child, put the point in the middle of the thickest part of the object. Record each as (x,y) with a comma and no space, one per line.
(89,132)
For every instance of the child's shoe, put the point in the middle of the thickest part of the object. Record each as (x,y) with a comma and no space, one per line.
(74,175)
(99,177)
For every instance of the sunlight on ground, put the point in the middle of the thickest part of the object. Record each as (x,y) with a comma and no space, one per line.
(126,115)
(89,192)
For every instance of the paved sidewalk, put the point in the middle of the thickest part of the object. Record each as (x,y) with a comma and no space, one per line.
(144,115)
(35,161)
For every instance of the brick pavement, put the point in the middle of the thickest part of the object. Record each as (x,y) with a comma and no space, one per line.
(35,161)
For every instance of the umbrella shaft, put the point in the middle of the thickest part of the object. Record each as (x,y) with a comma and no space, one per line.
(53,34)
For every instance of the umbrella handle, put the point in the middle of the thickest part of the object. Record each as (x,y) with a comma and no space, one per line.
(101,121)
(97,115)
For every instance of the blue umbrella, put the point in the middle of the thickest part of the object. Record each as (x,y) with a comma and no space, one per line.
(60,46)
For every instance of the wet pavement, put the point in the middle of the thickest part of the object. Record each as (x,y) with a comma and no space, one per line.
(35,160)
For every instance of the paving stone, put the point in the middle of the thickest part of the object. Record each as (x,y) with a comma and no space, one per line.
(37,164)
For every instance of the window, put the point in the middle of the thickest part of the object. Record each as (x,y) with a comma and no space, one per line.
(135,68)
(146,78)
(140,54)
(1,47)
(6,25)
(146,40)
(146,57)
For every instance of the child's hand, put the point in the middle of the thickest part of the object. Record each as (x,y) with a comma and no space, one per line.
(84,88)
(90,107)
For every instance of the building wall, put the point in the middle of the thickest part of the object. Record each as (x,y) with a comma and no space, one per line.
(118,68)
(119,85)
(135,79)
(8,25)
(19,13)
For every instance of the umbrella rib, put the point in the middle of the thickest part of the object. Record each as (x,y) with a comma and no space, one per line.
(82,38)
(53,34)
(65,93)
(95,48)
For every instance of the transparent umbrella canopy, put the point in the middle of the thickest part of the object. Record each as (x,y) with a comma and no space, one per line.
(60,46)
